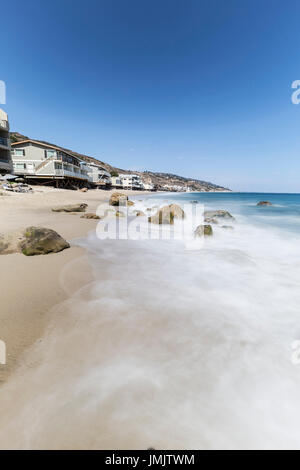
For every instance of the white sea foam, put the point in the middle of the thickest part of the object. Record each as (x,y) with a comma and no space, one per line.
(169,348)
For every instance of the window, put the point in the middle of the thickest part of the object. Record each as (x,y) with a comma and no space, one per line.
(20,166)
(18,152)
(50,153)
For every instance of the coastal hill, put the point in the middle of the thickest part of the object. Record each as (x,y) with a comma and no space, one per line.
(160,180)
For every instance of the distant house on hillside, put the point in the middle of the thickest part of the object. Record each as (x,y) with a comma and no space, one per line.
(47,164)
(5,156)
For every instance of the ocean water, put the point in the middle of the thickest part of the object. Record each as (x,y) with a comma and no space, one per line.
(171,347)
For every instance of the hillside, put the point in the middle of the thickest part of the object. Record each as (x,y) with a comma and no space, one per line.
(160,180)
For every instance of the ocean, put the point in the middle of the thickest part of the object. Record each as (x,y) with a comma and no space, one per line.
(173,347)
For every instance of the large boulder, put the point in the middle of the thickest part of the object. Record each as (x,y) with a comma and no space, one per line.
(264,203)
(177,211)
(120,199)
(203,231)
(163,216)
(41,241)
(220,214)
(167,214)
(70,208)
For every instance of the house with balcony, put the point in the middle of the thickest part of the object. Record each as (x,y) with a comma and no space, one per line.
(39,162)
(98,175)
(131,181)
(116,182)
(5,156)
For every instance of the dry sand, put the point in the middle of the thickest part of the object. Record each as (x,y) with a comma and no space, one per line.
(31,286)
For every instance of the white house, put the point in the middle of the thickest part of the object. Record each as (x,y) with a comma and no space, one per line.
(45,163)
(5,156)
(131,181)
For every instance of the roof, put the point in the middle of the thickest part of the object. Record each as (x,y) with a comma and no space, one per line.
(41,144)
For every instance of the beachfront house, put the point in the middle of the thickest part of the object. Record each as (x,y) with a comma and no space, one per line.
(5,156)
(116,182)
(98,175)
(131,182)
(42,163)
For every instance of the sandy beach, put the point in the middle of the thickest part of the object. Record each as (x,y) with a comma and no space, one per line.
(31,286)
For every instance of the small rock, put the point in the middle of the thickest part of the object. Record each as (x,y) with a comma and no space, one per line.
(203,230)
(70,208)
(227,227)
(84,190)
(89,215)
(120,214)
(211,220)
(218,214)
(264,203)
(139,213)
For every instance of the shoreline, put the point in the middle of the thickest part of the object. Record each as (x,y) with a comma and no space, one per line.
(31,286)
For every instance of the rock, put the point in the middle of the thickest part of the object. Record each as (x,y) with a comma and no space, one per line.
(139,213)
(203,230)
(264,203)
(130,203)
(177,211)
(84,190)
(211,220)
(120,214)
(89,215)
(163,216)
(167,214)
(218,214)
(41,241)
(118,199)
(70,208)
(227,227)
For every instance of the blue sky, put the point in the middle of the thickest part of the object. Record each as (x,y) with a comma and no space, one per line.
(200,88)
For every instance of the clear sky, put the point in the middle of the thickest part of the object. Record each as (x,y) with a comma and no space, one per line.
(200,88)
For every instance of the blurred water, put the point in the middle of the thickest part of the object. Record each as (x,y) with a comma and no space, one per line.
(170,348)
